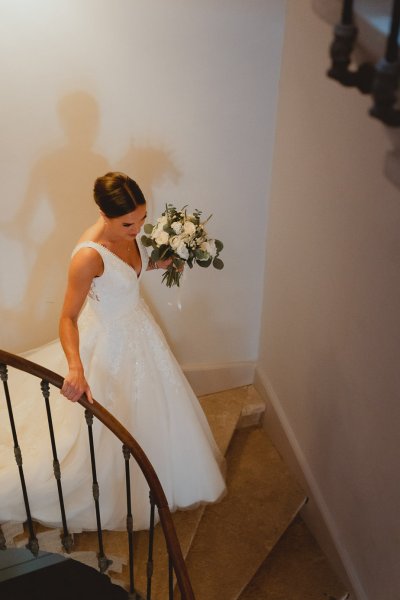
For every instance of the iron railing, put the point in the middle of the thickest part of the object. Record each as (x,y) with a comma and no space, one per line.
(130,447)
(380,80)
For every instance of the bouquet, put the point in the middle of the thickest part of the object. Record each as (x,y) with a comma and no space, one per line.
(183,238)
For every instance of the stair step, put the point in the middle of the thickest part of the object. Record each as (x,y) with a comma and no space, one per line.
(247,396)
(235,535)
(296,569)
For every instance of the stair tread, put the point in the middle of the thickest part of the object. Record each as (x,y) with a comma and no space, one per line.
(236,535)
(295,569)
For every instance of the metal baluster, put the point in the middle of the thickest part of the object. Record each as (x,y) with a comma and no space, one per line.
(384,90)
(151,542)
(3,544)
(170,578)
(66,538)
(129,519)
(392,48)
(345,35)
(33,544)
(103,561)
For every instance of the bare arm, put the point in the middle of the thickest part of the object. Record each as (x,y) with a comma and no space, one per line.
(85,265)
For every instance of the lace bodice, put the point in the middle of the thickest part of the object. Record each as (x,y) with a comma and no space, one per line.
(114,294)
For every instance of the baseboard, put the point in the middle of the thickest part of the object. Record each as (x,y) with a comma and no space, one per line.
(209,379)
(316,512)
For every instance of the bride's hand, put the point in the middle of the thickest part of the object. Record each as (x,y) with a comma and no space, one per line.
(75,385)
(164,264)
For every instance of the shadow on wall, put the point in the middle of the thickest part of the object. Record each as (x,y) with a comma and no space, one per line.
(56,209)
(149,166)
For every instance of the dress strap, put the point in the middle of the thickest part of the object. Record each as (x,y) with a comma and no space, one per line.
(89,244)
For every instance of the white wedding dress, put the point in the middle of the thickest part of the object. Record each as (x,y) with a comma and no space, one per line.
(133,374)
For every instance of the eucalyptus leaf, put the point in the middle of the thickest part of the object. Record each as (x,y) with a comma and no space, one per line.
(146,241)
(219,245)
(218,264)
(155,255)
(148,228)
(163,251)
(205,263)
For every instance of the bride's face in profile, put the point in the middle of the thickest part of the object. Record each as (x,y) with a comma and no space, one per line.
(128,226)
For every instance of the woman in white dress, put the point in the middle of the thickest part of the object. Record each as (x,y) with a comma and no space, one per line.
(116,352)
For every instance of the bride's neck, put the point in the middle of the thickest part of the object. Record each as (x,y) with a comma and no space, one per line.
(105,236)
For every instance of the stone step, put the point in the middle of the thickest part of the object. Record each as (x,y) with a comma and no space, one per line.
(296,569)
(235,535)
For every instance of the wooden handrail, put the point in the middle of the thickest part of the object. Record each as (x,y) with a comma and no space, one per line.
(174,549)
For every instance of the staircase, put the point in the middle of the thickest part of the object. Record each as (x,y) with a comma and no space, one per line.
(252,545)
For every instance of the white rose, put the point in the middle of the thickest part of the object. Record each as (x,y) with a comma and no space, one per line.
(157,230)
(209,247)
(175,242)
(162,238)
(182,251)
(189,228)
(177,226)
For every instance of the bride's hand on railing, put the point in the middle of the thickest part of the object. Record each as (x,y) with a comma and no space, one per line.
(75,385)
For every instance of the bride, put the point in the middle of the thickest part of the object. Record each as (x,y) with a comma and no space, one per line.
(114,351)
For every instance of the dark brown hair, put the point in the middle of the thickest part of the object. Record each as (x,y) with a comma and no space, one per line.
(116,194)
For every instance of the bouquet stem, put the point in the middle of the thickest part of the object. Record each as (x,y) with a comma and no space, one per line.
(172,276)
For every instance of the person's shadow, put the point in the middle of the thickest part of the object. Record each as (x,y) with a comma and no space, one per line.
(149,166)
(56,209)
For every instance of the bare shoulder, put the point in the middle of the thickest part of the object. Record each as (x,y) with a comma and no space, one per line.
(86,262)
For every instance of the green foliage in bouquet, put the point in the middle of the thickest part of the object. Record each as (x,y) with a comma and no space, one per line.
(182,238)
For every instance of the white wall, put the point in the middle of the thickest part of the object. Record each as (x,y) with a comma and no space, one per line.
(330,340)
(179,94)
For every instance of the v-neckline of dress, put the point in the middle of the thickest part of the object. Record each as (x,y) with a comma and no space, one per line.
(138,275)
